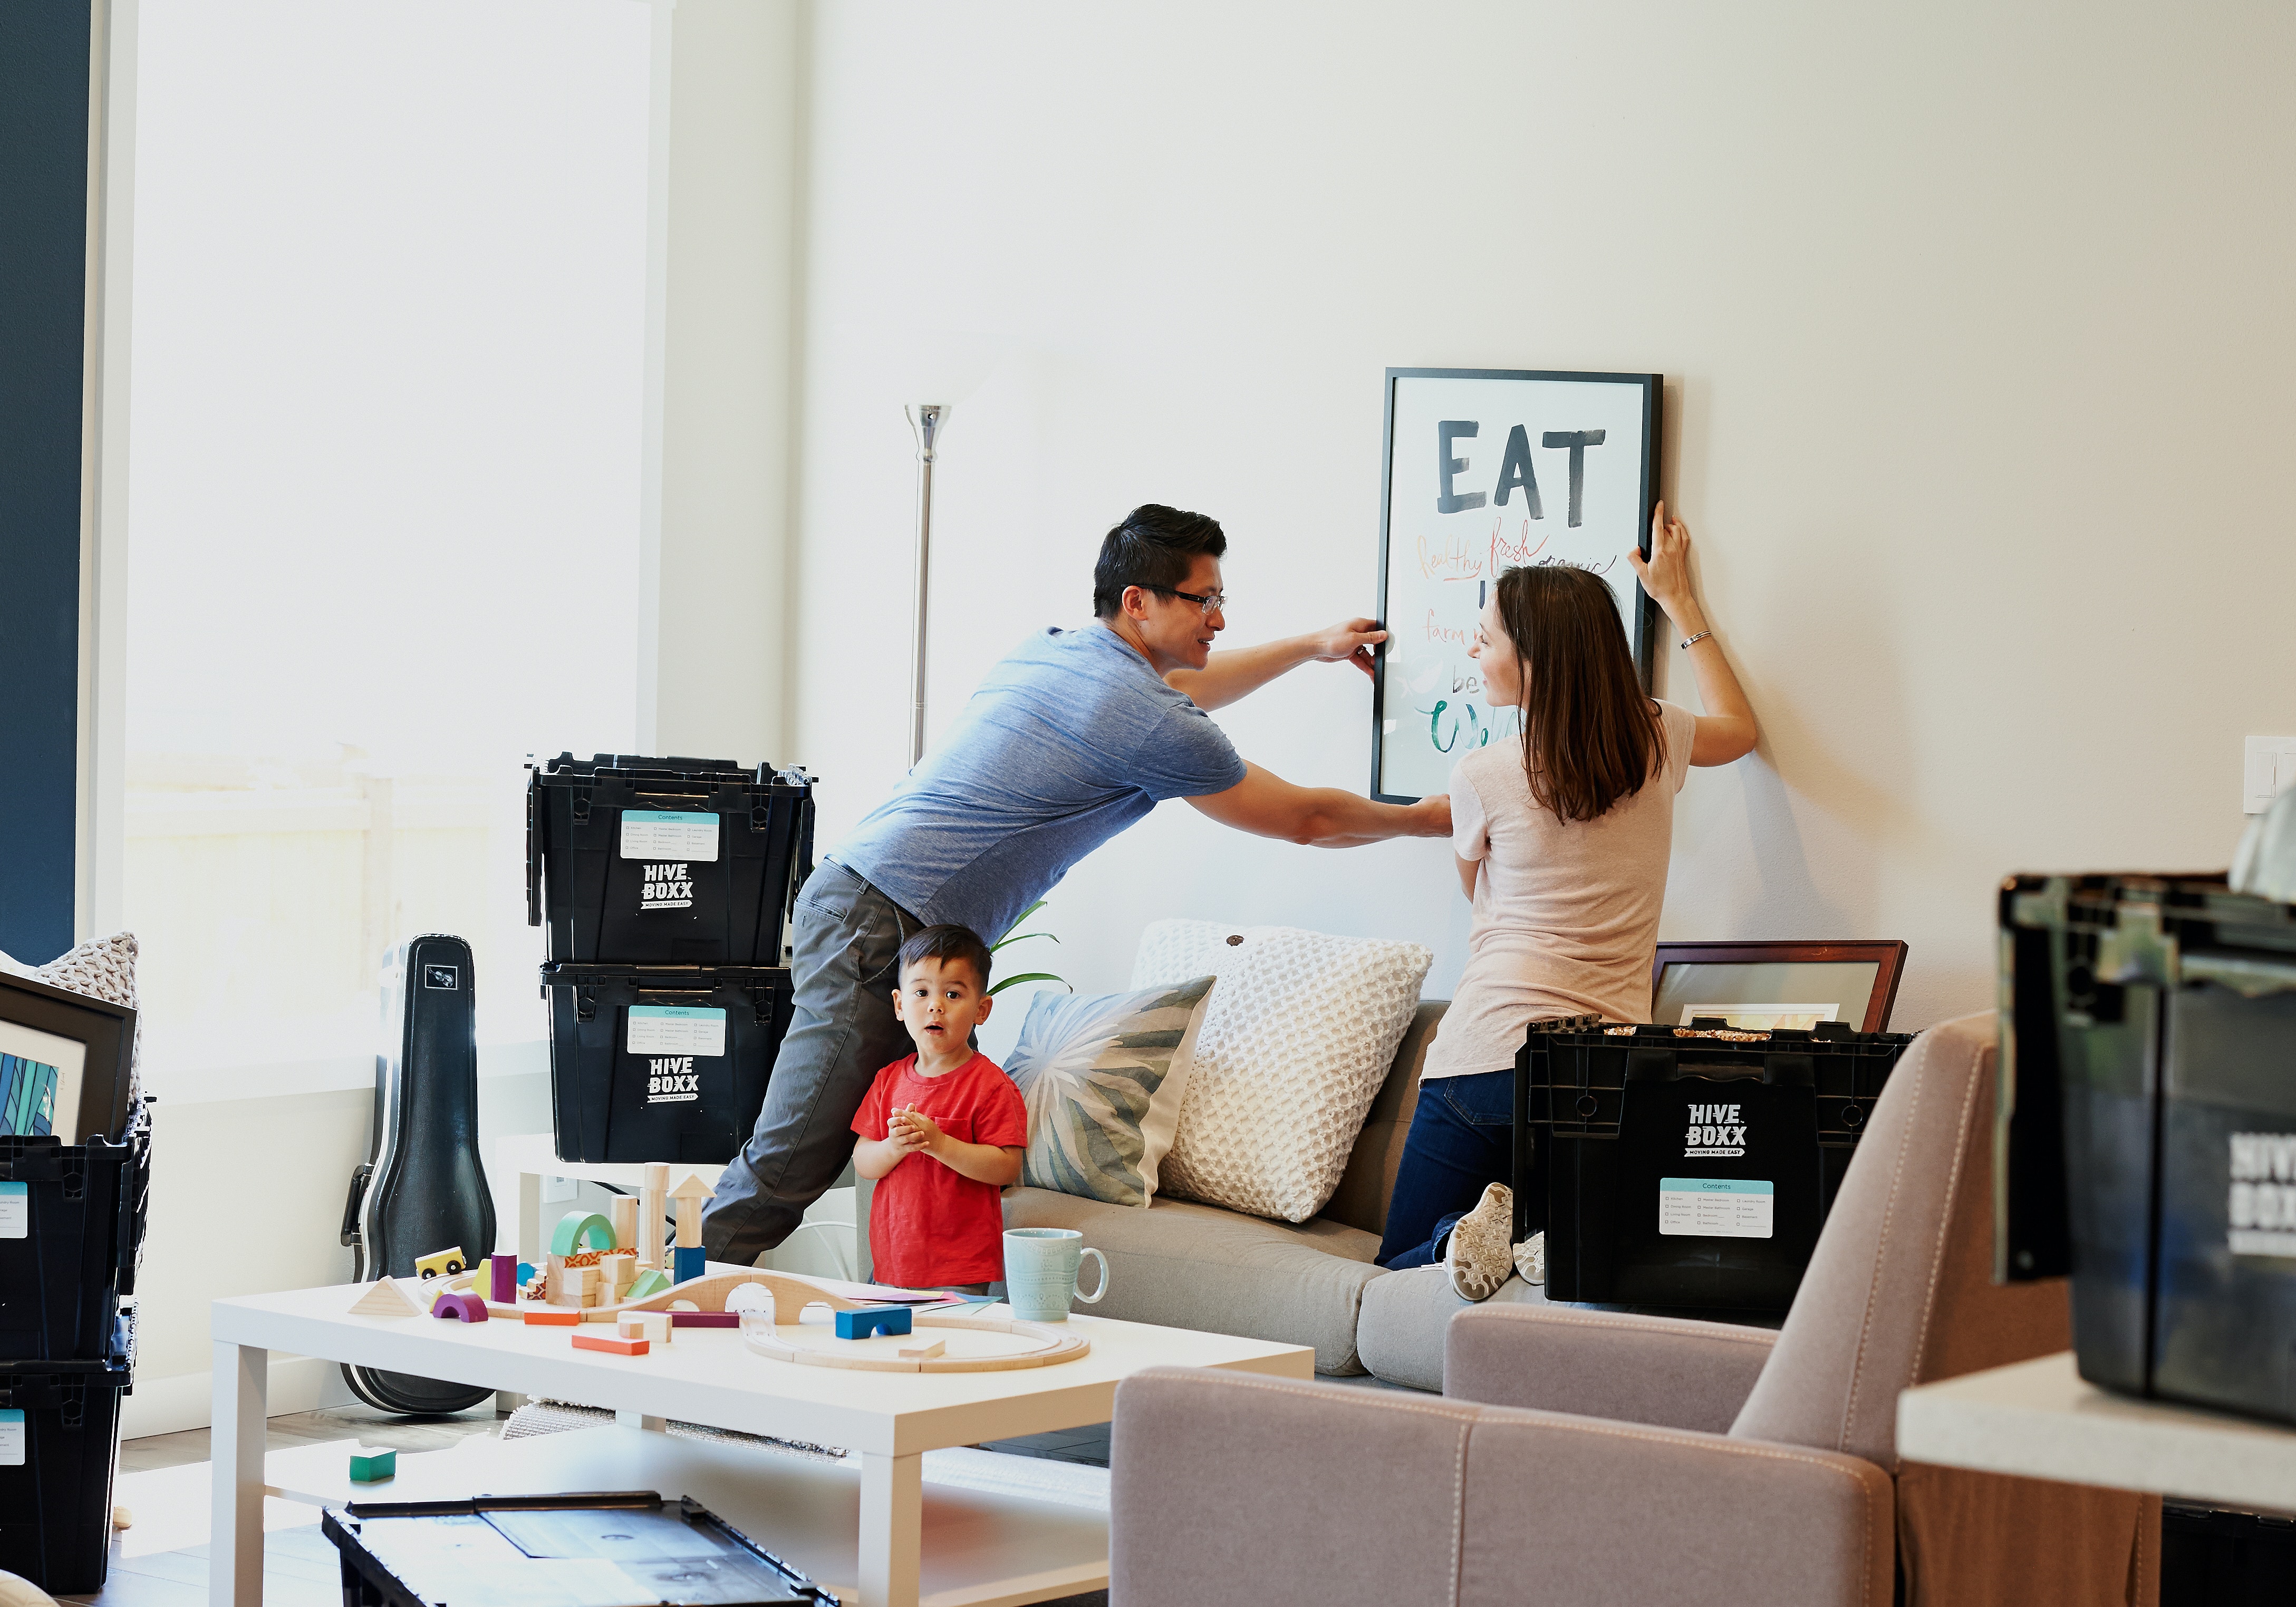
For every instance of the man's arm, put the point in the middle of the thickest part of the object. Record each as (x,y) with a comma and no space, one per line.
(1324,817)
(1236,671)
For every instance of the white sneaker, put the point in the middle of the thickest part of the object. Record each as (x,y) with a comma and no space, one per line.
(1531,1259)
(1477,1255)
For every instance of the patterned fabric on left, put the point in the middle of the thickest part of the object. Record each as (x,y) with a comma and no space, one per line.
(1103,1076)
(104,968)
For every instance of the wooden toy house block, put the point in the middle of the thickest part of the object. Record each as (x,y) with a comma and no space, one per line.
(689,1196)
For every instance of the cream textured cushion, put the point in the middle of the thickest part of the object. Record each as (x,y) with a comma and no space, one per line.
(1298,1039)
(1103,1077)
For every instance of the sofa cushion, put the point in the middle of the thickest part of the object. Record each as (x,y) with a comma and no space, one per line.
(1103,1076)
(1369,1181)
(1188,1265)
(1299,1038)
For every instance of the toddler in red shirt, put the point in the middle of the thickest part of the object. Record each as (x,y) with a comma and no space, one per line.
(941,1131)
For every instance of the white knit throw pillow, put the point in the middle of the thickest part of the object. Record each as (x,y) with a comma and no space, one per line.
(1297,1039)
(103,968)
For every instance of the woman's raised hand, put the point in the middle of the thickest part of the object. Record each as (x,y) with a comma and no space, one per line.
(1666,575)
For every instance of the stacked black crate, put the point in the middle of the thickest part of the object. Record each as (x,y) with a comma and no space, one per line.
(666,885)
(71,1219)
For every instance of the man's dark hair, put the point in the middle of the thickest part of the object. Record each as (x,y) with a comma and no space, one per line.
(1154,548)
(947,943)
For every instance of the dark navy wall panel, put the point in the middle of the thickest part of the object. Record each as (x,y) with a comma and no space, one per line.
(44,149)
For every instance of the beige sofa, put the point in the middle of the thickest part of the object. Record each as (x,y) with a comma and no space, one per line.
(1586,1457)
(1190,1265)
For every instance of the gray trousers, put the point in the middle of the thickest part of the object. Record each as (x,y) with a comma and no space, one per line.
(848,939)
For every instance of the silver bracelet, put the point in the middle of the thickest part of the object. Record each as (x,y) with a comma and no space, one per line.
(1695,640)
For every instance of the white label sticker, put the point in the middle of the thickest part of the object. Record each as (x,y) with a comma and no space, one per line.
(11,1438)
(677,1029)
(15,1210)
(2261,1212)
(1714,1208)
(668,834)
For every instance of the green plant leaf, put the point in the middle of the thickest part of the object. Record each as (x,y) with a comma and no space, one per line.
(1028,976)
(1021,919)
(1024,938)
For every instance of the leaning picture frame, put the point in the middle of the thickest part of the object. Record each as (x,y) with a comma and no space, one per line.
(1486,470)
(1762,984)
(65,1060)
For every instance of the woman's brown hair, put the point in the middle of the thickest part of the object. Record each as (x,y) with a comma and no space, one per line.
(1590,736)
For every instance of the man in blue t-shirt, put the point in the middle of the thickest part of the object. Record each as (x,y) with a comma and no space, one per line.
(1071,739)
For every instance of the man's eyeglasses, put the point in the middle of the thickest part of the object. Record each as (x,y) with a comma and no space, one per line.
(1211,602)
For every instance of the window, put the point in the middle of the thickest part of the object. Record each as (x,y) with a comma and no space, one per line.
(386,428)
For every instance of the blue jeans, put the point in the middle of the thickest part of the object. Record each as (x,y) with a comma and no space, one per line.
(1462,1139)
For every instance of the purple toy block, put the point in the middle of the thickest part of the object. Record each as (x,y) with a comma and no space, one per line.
(505,1277)
(461,1308)
(705,1319)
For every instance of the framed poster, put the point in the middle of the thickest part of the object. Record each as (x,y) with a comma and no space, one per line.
(64,1062)
(1759,985)
(1488,469)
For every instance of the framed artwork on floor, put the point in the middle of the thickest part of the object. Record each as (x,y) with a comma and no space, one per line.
(1488,470)
(1757,985)
(64,1062)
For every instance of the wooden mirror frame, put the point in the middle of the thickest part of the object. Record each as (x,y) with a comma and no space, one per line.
(1886,955)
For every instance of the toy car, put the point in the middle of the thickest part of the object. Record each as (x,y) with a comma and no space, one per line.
(441,1264)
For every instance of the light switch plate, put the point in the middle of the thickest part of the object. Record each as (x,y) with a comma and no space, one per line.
(2268,768)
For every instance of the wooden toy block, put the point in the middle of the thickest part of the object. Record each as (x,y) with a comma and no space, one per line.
(689,1261)
(652,1282)
(873,1319)
(652,1201)
(384,1298)
(609,1343)
(623,1211)
(586,1258)
(502,1282)
(372,1467)
(681,1306)
(621,1269)
(441,1263)
(704,1319)
(689,1196)
(651,1325)
(552,1316)
(464,1307)
(581,1230)
(923,1353)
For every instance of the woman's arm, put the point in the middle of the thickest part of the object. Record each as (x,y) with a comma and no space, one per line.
(1235,672)
(1466,875)
(1726,731)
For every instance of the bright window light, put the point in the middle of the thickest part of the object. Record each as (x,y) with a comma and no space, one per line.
(385,461)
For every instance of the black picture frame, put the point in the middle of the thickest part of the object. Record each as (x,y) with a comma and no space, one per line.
(1886,955)
(105,1031)
(1642,627)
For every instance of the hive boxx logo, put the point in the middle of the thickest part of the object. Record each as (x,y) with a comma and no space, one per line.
(2260,1215)
(666,886)
(1715,1130)
(671,1079)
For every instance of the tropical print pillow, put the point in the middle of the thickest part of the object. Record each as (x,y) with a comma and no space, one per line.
(1103,1076)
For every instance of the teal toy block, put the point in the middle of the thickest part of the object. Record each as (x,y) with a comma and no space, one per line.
(689,1261)
(873,1319)
(372,1467)
(525,1273)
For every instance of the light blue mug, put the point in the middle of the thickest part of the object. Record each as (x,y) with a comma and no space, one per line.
(1040,1272)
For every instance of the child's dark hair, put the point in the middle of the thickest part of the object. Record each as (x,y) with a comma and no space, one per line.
(946,943)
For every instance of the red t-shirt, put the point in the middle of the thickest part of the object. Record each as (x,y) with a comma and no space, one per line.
(929,1223)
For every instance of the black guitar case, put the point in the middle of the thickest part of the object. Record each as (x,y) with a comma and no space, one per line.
(424,1188)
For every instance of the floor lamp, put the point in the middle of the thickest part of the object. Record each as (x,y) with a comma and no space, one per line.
(926,420)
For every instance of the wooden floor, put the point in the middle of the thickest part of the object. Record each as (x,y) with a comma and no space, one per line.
(300,1568)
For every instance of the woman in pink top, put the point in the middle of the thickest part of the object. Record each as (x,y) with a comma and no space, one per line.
(1562,845)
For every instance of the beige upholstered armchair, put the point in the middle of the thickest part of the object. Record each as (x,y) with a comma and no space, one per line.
(1579,1456)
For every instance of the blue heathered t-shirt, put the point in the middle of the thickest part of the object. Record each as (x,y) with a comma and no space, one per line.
(1068,741)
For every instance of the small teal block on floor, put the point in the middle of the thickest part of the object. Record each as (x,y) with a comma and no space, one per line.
(688,1261)
(372,1467)
(873,1319)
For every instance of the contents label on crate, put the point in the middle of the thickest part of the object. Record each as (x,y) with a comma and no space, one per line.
(668,834)
(1714,1208)
(11,1438)
(15,1210)
(677,1029)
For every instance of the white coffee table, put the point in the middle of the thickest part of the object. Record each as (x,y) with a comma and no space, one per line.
(706,1376)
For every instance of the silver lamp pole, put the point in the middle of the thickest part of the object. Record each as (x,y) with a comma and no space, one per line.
(927,419)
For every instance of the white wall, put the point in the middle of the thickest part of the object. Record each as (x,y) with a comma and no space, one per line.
(1976,345)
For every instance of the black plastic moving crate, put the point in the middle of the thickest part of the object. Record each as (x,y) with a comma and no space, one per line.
(59,1427)
(2212,1558)
(2155,1018)
(80,1211)
(1689,1165)
(665,861)
(503,1548)
(660,1062)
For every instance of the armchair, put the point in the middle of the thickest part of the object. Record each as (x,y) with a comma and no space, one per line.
(1581,1456)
